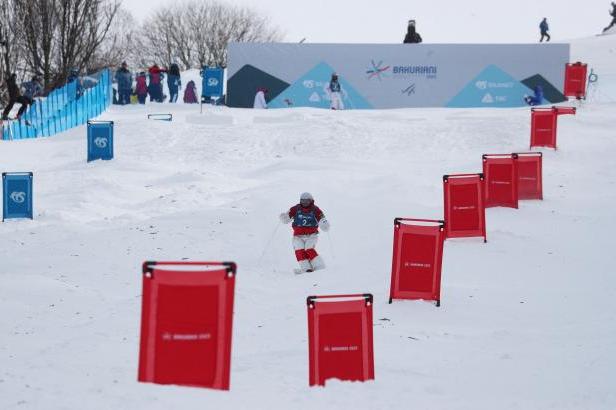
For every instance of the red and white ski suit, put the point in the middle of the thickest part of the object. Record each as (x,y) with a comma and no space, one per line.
(306,222)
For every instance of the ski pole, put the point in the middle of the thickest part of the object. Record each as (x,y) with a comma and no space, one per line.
(267,245)
(331,245)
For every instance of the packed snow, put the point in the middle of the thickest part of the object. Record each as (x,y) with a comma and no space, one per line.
(527,320)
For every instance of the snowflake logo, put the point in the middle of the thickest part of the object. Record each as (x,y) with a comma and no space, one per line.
(377,70)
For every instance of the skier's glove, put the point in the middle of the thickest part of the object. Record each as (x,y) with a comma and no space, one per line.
(324,224)
(285,218)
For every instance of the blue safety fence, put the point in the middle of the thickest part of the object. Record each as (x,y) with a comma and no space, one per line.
(63,108)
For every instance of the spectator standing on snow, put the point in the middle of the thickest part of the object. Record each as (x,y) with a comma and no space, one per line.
(334,90)
(412,36)
(155,87)
(613,14)
(74,76)
(543,26)
(307,219)
(124,79)
(141,87)
(174,82)
(190,93)
(260,102)
(14,97)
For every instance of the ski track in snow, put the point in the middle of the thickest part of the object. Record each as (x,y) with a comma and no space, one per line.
(527,320)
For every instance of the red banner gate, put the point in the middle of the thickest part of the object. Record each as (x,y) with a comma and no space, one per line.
(464,208)
(575,80)
(501,180)
(530,180)
(186,323)
(340,338)
(544,125)
(417,259)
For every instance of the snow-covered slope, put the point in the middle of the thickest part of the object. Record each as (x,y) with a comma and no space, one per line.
(527,321)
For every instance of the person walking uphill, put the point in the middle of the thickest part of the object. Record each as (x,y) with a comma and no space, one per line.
(125,84)
(543,26)
(613,14)
(15,97)
(307,218)
(174,82)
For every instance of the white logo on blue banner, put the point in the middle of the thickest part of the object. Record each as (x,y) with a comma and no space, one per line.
(18,197)
(100,142)
(212,82)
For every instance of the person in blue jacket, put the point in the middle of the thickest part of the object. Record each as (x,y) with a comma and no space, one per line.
(543,26)
(536,99)
(125,84)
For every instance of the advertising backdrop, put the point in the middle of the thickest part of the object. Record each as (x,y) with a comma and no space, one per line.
(396,75)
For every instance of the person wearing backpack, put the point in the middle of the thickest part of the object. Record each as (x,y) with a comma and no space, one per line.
(141,88)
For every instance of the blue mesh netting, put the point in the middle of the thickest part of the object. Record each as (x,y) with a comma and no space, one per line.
(63,108)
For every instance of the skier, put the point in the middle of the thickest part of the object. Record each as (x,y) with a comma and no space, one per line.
(307,219)
(412,36)
(613,14)
(15,97)
(334,90)
(125,84)
(141,87)
(543,26)
(174,81)
(537,99)
(260,102)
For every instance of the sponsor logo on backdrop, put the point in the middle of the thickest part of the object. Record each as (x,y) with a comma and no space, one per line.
(494,86)
(380,70)
(409,90)
(212,82)
(377,70)
(18,197)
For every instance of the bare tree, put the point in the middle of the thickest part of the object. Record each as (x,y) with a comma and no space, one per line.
(197,33)
(9,49)
(61,34)
(120,44)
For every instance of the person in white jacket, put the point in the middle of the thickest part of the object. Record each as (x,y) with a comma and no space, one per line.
(334,90)
(260,102)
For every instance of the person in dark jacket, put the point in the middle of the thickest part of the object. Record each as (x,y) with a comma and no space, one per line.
(125,84)
(613,14)
(543,26)
(174,82)
(15,97)
(412,36)
(74,76)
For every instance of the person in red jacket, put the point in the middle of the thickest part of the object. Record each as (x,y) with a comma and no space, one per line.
(307,218)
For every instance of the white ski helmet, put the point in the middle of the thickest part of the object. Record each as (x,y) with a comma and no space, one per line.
(306,199)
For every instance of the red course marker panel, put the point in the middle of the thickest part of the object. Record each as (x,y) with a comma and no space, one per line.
(186,323)
(417,259)
(530,180)
(501,180)
(464,208)
(340,338)
(575,80)
(544,125)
